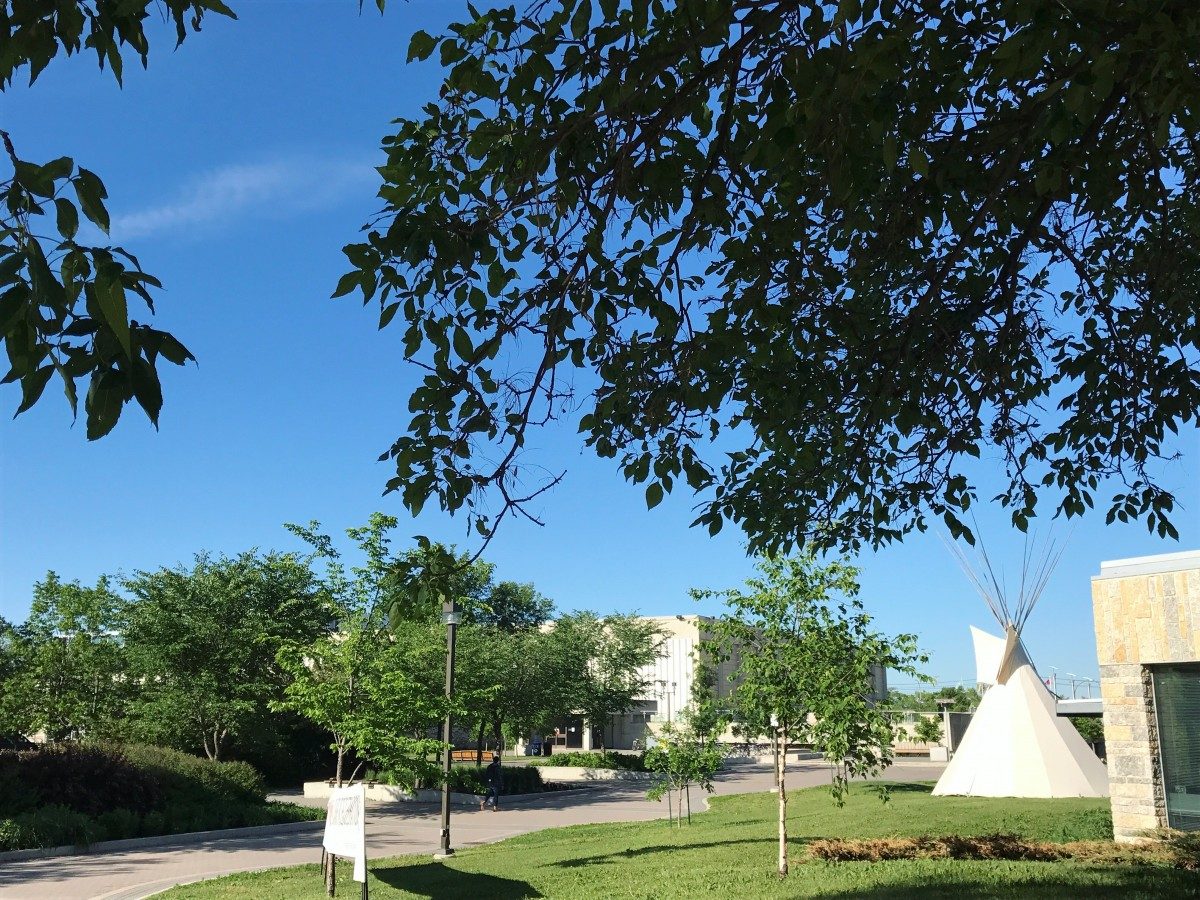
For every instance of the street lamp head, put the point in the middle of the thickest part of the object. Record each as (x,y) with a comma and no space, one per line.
(450,614)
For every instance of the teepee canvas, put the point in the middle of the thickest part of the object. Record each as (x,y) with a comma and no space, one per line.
(1016,744)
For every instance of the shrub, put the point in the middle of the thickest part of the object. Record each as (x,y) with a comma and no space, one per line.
(117,824)
(84,778)
(517,780)
(186,778)
(153,824)
(632,762)
(928,730)
(11,835)
(55,826)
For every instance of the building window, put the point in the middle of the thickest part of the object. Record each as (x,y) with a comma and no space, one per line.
(1177,705)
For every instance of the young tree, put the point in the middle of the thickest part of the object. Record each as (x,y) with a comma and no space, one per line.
(610,655)
(66,663)
(376,681)
(928,730)
(202,643)
(804,656)
(499,648)
(326,683)
(686,752)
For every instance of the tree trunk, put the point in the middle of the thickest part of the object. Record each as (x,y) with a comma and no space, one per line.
(781,777)
(498,735)
(479,743)
(341,755)
(330,874)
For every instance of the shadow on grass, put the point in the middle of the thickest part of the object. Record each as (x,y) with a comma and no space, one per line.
(620,855)
(901,787)
(440,881)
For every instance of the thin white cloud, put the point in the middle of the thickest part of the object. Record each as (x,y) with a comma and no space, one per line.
(250,190)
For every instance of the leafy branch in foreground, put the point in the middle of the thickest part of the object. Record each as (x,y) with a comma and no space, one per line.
(810,258)
(64,307)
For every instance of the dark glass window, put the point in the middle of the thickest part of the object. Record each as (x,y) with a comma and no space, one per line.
(1177,701)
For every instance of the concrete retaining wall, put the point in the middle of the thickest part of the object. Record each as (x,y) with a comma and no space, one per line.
(576,774)
(390,793)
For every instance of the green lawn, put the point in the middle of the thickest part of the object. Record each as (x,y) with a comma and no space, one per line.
(730,852)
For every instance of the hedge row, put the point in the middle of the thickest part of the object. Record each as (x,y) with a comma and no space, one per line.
(517,780)
(59,826)
(78,794)
(93,779)
(632,762)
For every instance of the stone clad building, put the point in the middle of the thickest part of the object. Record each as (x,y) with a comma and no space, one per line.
(1147,616)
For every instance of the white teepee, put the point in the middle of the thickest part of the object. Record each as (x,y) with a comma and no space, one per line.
(1016,744)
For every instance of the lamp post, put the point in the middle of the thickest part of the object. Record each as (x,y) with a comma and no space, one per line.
(451,618)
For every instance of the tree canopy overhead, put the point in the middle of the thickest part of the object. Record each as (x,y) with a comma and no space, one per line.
(856,244)
(65,306)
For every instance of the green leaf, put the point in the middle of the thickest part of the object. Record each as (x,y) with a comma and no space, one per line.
(582,20)
(58,169)
(69,390)
(68,218)
(462,344)
(13,304)
(105,397)
(32,386)
(146,389)
(421,46)
(110,297)
(654,495)
(91,193)
(389,313)
(34,179)
(346,284)
(918,161)
(10,266)
(173,350)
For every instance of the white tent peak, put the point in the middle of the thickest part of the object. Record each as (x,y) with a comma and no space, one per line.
(1016,744)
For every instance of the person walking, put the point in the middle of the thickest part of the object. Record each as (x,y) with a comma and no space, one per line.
(495,784)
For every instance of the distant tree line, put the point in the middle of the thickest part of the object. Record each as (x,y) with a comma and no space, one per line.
(962,699)
(245,656)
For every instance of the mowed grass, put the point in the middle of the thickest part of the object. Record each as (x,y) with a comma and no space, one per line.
(730,852)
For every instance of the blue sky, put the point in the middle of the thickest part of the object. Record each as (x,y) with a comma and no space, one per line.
(237,167)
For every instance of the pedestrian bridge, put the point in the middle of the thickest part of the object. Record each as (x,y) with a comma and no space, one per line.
(1081,707)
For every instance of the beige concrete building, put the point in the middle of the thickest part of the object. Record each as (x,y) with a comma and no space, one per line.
(1147,615)
(669,681)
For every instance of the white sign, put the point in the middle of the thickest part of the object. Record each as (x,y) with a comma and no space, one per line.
(346,827)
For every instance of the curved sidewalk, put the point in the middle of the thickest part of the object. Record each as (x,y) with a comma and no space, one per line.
(392,830)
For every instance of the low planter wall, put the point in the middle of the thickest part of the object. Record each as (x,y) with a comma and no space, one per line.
(390,793)
(576,774)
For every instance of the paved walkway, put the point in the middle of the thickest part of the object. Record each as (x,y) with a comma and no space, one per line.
(392,829)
